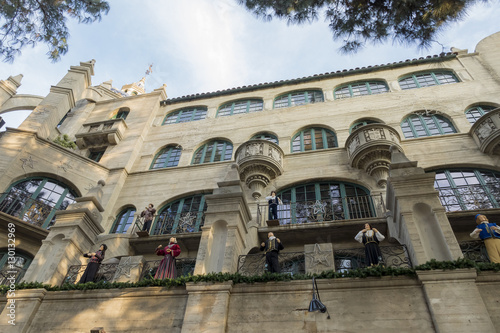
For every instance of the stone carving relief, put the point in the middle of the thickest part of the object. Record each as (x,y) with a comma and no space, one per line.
(125,268)
(274,154)
(354,144)
(65,166)
(254,149)
(374,134)
(485,129)
(28,163)
(318,257)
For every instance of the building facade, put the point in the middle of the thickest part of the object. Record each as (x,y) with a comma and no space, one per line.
(412,147)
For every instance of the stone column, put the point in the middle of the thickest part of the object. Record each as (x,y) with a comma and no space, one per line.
(74,233)
(454,301)
(60,100)
(207,307)
(129,269)
(21,308)
(8,88)
(418,219)
(224,233)
(319,258)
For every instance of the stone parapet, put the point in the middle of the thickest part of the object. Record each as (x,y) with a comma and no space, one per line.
(486,132)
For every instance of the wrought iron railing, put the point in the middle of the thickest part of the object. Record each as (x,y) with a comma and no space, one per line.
(184,267)
(345,260)
(165,224)
(255,264)
(105,273)
(346,208)
(8,275)
(25,208)
(470,197)
(475,251)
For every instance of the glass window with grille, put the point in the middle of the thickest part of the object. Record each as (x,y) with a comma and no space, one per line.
(167,157)
(13,268)
(421,80)
(360,89)
(96,155)
(186,115)
(313,139)
(237,107)
(123,221)
(362,123)
(181,216)
(36,200)
(298,98)
(417,126)
(325,201)
(473,114)
(213,151)
(266,136)
(468,189)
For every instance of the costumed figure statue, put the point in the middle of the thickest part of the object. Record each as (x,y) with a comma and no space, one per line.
(148,214)
(167,264)
(273,201)
(490,235)
(93,266)
(272,246)
(370,238)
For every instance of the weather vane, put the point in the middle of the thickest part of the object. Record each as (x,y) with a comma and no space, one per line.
(150,69)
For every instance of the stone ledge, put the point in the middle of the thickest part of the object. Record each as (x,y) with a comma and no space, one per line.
(444,275)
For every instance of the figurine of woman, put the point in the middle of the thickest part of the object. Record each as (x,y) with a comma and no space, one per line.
(370,238)
(167,264)
(93,266)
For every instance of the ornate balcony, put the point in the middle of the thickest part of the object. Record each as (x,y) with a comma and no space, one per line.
(486,132)
(259,161)
(368,149)
(103,133)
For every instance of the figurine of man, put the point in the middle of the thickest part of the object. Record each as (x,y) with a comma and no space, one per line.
(148,214)
(272,246)
(490,234)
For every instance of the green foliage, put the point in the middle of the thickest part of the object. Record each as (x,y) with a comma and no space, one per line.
(356,22)
(28,22)
(64,141)
(236,278)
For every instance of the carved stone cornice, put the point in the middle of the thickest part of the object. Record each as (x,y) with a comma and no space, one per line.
(368,149)
(259,162)
(486,132)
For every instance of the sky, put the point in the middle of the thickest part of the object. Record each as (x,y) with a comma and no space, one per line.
(199,46)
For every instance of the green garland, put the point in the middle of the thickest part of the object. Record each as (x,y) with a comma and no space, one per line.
(377,271)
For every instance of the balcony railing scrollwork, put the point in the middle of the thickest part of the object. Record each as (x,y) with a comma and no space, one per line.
(105,273)
(184,267)
(178,223)
(470,197)
(475,251)
(255,264)
(486,132)
(26,208)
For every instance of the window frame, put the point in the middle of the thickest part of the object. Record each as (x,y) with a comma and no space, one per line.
(436,120)
(482,109)
(262,136)
(179,112)
(234,103)
(306,98)
(313,139)
(130,211)
(349,86)
(433,74)
(213,143)
(169,156)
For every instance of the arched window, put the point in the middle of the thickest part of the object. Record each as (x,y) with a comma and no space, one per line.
(468,189)
(426,124)
(313,139)
(184,215)
(121,114)
(298,98)
(167,157)
(123,221)
(473,114)
(36,200)
(325,201)
(13,268)
(237,107)
(360,89)
(213,151)
(266,136)
(362,123)
(427,79)
(185,115)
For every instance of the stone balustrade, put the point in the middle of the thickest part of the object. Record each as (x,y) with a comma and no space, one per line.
(486,132)
(369,149)
(103,133)
(259,162)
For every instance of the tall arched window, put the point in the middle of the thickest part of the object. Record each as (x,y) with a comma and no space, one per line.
(184,215)
(185,115)
(167,157)
(237,107)
(298,98)
(468,189)
(325,201)
(360,89)
(473,114)
(427,79)
(36,200)
(426,124)
(213,151)
(313,139)
(266,136)
(14,268)
(123,221)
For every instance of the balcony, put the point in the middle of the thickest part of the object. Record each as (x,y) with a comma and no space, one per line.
(369,149)
(470,197)
(103,133)
(259,162)
(27,209)
(486,132)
